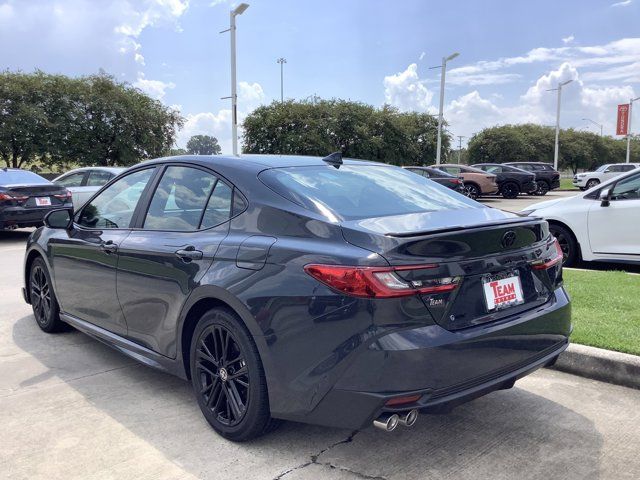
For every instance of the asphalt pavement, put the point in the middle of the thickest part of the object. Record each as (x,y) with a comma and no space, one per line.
(72,408)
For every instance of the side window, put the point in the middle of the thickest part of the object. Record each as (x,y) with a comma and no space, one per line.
(72,180)
(627,189)
(627,168)
(97,178)
(219,207)
(451,170)
(492,169)
(614,168)
(180,199)
(114,206)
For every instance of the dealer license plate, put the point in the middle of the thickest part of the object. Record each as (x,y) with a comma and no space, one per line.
(43,201)
(502,291)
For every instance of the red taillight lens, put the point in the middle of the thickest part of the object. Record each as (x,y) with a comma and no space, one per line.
(456,181)
(6,196)
(393,402)
(63,196)
(557,258)
(378,282)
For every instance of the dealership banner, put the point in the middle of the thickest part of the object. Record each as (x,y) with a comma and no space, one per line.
(623,119)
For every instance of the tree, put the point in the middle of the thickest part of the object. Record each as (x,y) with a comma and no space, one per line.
(93,120)
(174,152)
(203,145)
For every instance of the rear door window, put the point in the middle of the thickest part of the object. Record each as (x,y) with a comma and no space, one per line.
(97,178)
(71,180)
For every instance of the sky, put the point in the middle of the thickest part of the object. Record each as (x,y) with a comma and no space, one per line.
(373,51)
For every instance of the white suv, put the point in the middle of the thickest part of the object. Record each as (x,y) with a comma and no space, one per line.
(588,180)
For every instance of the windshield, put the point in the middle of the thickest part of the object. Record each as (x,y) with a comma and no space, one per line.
(354,192)
(21,177)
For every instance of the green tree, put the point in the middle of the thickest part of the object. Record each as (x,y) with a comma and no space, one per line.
(203,145)
(93,120)
(319,127)
(174,152)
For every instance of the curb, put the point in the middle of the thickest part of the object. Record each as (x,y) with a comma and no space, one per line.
(599,364)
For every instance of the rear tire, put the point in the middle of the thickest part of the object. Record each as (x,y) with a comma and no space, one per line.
(568,244)
(471,190)
(510,190)
(228,378)
(43,299)
(543,188)
(592,183)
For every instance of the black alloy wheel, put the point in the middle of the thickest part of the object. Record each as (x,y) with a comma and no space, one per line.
(43,300)
(228,377)
(543,188)
(510,190)
(471,191)
(568,244)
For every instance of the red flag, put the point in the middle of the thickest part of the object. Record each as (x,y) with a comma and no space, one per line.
(623,119)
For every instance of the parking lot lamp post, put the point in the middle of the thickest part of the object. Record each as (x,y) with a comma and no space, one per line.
(555,152)
(281,61)
(629,128)
(239,10)
(442,75)
(595,123)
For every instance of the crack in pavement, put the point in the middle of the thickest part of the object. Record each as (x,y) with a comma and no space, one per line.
(314,461)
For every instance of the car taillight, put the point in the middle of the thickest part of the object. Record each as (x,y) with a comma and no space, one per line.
(63,196)
(456,181)
(554,260)
(378,282)
(6,196)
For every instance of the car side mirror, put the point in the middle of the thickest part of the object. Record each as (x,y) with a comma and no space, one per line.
(59,219)
(605,197)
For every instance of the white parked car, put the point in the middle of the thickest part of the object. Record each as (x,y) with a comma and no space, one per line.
(84,182)
(587,180)
(601,224)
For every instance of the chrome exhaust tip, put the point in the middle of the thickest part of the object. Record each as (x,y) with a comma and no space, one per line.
(409,418)
(387,421)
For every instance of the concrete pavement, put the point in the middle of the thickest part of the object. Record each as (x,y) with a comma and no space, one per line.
(71,408)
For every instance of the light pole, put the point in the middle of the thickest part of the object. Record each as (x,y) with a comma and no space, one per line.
(281,61)
(595,123)
(442,75)
(460,137)
(629,128)
(555,152)
(239,10)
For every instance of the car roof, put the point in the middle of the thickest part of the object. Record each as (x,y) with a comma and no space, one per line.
(102,169)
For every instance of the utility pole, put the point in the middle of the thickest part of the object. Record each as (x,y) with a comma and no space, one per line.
(629,128)
(440,111)
(239,10)
(281,61)
(460,137)
(555,152)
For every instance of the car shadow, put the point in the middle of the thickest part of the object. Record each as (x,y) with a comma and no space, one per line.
(14,236)
(508,434)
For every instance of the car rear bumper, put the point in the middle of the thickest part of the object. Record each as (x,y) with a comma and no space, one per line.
(445,368)
(26,217)
(555,183)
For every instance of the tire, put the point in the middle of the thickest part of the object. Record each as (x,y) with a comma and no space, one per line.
(582,189)
(543,188)
(471,190)
(568,244)
(510,190)
(235,404)
(43,299)
(592,183)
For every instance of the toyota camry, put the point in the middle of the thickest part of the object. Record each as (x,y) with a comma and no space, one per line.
(335,292)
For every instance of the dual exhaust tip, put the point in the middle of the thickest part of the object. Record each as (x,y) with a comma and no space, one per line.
(389,421)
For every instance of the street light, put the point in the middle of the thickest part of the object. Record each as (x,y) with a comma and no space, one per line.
(555,152)
(595,123)
(239,10)
(629,128)
(281,61)
(460,137)
(442,75)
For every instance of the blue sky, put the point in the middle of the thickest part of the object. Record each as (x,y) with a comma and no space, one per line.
(372,51)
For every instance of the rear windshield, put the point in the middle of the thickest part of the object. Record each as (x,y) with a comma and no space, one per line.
(18,177)
(354,192)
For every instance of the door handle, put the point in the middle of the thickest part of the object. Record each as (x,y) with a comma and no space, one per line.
(189,253)
(109,247)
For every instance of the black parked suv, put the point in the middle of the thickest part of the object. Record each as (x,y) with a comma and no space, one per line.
(512,181)
(443,178)
(341,293)
(547,177)
(25,198)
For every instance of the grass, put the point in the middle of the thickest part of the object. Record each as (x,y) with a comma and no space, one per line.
(566,184)
(606,309)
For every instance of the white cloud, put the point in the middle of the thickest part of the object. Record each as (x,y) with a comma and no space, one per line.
(406,91)
(624,3)
(154,88)
(422,54)
(569,39)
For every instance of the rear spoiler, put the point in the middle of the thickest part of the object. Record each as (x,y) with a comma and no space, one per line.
(513,221)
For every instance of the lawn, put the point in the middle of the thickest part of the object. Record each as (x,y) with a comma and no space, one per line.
(606,309)
(566,184)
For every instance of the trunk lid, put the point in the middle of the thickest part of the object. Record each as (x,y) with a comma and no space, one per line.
(475,245)
(26,195)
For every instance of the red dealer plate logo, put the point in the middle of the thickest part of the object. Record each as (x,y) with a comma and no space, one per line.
(503,292)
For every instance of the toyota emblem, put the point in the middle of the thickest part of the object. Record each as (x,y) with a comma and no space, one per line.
(508,239)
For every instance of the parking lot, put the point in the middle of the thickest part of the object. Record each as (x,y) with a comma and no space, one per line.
(71,407)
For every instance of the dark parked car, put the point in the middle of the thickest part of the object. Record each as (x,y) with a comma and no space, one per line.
(512,181)
(547,177)
(438,176)
(340,293)
(25,198)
